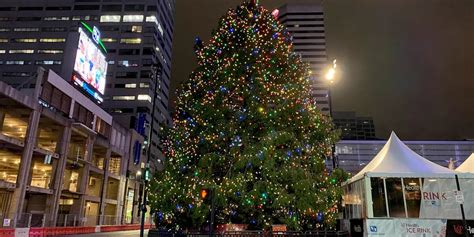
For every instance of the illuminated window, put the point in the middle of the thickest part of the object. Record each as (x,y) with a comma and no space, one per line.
(50,51)
(10,164)
(114,165)
(131,85)
(123,97)
(157,23)
(41,173)
(48,62)
(26,29)
(4,29)
(28,51)
(109,40)
(131,41)
(94,185)
(144,97)
(3,40)
(127,63)
(76,18)
(16,74)
(137,29)
(25,40)
(17,62)
(54,29)
(144,85)
(56,18)
(151,19)
(110,18)
(52,40)
(133,18)
(2,51)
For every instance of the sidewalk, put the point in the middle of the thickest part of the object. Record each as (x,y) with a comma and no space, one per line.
(111,234)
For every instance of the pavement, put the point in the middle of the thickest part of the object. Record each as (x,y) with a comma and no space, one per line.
(128,233)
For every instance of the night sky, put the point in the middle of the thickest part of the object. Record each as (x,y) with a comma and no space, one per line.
(408,64)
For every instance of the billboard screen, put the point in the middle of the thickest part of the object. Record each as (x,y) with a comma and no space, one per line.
(90,64)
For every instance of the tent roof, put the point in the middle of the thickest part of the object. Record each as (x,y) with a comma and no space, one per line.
(397,160)
(467,165)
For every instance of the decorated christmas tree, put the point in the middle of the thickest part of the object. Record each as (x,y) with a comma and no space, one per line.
(246,126)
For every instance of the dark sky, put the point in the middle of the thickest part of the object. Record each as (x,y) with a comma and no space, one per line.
(408,64)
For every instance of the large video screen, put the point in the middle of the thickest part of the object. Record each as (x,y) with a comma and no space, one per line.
(90,62)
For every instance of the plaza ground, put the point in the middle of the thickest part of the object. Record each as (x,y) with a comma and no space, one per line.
(113,234)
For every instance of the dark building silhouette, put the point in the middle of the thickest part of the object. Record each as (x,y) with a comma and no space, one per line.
(354,127)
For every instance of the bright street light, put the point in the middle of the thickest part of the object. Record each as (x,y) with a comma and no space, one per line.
(330,74)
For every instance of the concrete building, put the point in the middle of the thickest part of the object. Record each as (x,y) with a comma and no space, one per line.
(306,23)
(354,127)
(353,155)
(136,33)
(65,161)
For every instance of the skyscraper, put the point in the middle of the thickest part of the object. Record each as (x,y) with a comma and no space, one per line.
(137,35)
(354,127)
(306,23)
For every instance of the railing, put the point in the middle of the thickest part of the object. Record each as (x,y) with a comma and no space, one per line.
(90,220)
(127,220)
(26,220)
(109,220)
(328,233)
(30,220)
(67,220)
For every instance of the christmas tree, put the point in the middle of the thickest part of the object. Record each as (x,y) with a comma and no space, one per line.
(246,126)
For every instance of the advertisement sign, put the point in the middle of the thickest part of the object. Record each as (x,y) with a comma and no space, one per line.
(455,228)
(438,199)
(406,227)
(380,227)
(420,227)
(90,64)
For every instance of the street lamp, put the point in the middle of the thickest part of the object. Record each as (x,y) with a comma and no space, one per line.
(331,72)
(330,76)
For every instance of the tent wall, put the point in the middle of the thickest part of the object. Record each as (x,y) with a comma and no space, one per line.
(389,197)
(467,185)
(354,200)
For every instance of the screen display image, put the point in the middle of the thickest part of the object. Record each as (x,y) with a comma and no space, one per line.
(90,62)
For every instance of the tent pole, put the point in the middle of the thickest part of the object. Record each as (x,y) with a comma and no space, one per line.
(466,233)
(386,197)
(404,198)
(368,198)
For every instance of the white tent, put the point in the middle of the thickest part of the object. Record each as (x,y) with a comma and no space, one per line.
(397,160)
(400,188)
(467,165)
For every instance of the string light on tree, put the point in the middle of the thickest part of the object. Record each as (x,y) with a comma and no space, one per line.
(247,127)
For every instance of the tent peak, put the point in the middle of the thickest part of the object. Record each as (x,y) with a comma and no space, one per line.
(396,158)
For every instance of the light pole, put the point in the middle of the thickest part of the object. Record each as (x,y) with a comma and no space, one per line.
(329,76)
(146,175)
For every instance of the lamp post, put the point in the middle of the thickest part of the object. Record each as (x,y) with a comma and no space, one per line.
(146,175)
(329,76)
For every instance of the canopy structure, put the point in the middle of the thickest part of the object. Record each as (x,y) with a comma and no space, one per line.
(467,165)
(397,160)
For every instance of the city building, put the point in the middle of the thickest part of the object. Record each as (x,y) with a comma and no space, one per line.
(136,35)
(354,127)
(353,155)
(306,24)
(65,161)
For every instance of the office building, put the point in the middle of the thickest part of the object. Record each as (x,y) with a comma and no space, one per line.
(136,35)
(65,161)
(306,24)
(353,155)
(354,127)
